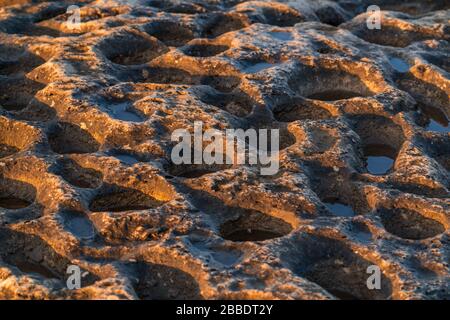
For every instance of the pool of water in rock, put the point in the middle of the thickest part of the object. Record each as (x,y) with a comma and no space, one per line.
(399,65)
(122,111)
(379,158)
(340,209)
(281,35)
(437,120)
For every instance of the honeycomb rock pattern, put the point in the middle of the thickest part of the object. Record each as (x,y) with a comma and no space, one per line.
(86,177)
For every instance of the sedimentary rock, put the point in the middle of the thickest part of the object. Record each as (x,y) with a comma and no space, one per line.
(86,177)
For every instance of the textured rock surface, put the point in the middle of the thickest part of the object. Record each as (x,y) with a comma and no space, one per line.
(86,178)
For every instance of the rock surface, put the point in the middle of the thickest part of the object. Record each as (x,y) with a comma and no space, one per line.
(86,178)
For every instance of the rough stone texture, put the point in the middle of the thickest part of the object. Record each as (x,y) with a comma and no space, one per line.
(86,178)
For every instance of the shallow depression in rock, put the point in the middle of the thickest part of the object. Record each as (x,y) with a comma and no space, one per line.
(437,120)
(399,65)
(31,254)
(298,109)
(325,84)
(15,194)
(77,175)
(161,282)
(410,224)
(78,224)
(117,199)
(282,36)
(204,50)
(169,32)
(124,112)
(339,209)
(334,266)
(254,226)
(65,138)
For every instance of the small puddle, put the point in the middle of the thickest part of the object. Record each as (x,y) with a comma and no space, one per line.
(438,122)
(281,35)
(13,203)
(257,67)
(399,65)
(340,209)
(380,159)
(123,112)
(334,95)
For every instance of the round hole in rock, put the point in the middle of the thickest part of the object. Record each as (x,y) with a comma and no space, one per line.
(15,194)
(31,254)
(360,231)
(170,76)
(118,199)
(334,95)
(286,138)
(282,35)
(78,224)
(161,282)
(254,226)
(169,32)
(389,35)
(410,224)
(16,92)
(330,15)
(238,104)
(66,138)
(437,121)
(327,84)
(190,171)
(16,136)
(124,111)
(134,48)
(338,208)
(334,266)
(283,16)
(221,83)
(377,130)
(399,64)
(79,176)
(299,110)
(185,8)
(380,158)
(321,139)
(220,23)
(15,59)
(204,50)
